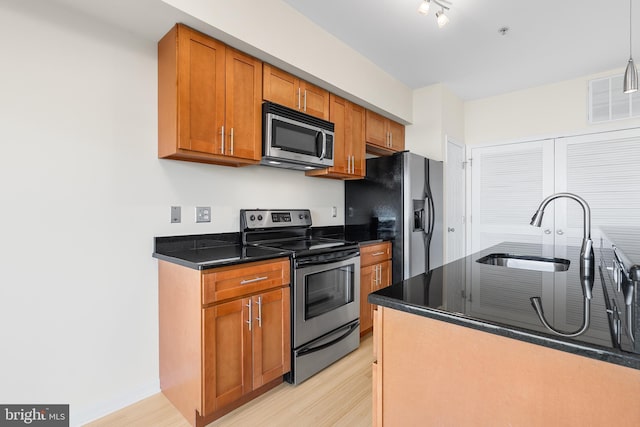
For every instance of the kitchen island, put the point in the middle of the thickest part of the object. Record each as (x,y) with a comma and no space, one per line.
(463,345)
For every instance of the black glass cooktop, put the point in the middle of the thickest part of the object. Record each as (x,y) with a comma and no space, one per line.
(308,244)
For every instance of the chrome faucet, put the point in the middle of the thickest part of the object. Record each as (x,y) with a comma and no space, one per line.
(586,252)
(586,264)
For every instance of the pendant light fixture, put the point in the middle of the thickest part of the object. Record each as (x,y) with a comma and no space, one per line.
(631,74)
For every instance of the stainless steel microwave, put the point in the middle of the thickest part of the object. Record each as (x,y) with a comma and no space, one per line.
(295,140)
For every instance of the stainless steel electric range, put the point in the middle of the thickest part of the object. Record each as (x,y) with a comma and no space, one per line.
(325,302)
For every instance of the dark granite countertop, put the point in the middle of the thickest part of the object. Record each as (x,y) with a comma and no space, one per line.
(496,299)
(202,252)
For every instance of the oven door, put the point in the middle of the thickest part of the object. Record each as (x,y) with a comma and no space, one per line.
(326,297)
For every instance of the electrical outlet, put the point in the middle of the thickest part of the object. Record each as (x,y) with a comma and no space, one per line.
(334,211)
(203,214)
(176,215)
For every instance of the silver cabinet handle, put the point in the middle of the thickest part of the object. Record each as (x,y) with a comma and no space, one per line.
(299,106)
(348,164)
(547,231)
(390,139)
(250,315)
(257,279)
(353,164)
(231,141)
(560,232)
(222,140)
(259,318)
(378,253)
(305,101)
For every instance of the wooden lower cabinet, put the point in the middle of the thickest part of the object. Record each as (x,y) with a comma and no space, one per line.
(434,373)
(375,273)
(224,335)
(239,358)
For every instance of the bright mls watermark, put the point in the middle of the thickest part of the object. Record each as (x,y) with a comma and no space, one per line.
(34,415)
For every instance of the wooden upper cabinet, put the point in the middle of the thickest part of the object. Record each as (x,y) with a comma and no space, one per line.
(383,136)
(349,144)
(280,87)
(315,100)
(285,89)
(243,112)
(396,135)
(204,89)
(357,124)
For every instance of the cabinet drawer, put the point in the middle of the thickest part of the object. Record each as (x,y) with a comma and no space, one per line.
(245,279)
(374,253)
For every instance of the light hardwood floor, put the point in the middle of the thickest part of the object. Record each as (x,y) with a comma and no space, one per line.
(338,396)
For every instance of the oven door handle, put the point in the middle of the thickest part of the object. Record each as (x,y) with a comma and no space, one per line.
(311,349)
(303,262)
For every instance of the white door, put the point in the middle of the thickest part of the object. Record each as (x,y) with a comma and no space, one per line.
(508,183)
(455,201)
(604,169)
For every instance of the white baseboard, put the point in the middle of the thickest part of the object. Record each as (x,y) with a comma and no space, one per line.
(80,416)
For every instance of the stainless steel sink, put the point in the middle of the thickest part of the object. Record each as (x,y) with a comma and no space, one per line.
(525,262)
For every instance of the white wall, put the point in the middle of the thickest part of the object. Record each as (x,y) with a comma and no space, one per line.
(437,113)
(82,196)
(552,110)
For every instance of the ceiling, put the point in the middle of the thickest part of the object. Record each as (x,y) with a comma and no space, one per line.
(547,41)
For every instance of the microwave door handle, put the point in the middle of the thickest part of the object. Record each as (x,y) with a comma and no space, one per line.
(324,145)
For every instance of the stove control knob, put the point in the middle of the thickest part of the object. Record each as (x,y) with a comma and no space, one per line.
(301,216)
(306,216)
(259,217)
(252,218)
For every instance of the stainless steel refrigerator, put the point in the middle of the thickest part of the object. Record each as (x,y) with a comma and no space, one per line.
(400,199)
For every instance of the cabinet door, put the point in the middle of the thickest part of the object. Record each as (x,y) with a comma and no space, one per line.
(367,279)
(201,71)
(339,117)
(271,336)
(315,101)
(384,275)
(243,117)
(280,87)
(396,136)
(226,354)
(355,135)
(376,129)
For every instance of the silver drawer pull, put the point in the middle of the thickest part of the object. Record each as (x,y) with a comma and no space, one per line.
(378,253)
(257,279)
(259,318)
(250,315)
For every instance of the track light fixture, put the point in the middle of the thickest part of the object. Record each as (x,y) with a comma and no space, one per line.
(630,84)
(440,15)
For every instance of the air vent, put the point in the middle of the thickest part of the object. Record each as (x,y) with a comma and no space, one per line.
(607,102)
